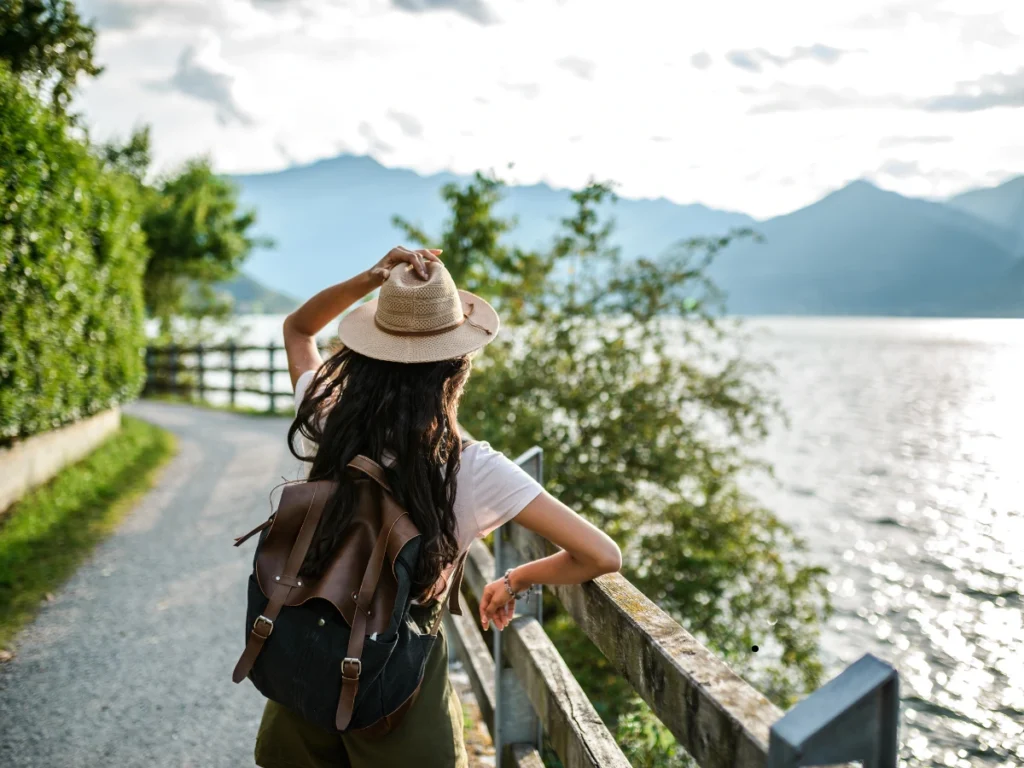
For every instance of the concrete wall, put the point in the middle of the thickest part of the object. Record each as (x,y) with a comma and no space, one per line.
(31,462)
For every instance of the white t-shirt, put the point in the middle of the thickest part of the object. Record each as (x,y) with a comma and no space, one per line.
(491,489)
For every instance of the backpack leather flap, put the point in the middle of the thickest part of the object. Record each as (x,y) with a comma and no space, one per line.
(375,513)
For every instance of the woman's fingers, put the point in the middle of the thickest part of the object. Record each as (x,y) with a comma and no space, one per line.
(418,258)
(412,257)
(494,608)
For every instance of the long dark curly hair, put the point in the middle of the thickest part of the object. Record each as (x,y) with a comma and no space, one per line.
(358,405)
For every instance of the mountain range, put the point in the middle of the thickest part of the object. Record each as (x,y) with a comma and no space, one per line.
(860,250)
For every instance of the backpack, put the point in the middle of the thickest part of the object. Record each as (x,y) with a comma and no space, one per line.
(342,650)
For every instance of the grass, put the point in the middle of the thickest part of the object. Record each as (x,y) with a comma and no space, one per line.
(45,536)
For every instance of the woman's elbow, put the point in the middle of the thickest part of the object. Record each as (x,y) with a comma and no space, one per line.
(610,560)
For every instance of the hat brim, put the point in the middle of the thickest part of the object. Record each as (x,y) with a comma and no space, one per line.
(360,333)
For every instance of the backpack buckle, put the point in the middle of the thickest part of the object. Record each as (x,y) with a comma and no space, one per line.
(350,660)
(265,620)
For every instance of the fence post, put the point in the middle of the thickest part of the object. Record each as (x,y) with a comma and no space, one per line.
(200,370)
(854,716)
(172,362)
(515,721)
(270,373)
(231,372)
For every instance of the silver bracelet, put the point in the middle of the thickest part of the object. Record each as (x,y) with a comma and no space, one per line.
(508,588)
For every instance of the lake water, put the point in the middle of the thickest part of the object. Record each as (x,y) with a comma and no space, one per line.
(903,467)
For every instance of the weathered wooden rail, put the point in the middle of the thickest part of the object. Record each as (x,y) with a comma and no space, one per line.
(524,689)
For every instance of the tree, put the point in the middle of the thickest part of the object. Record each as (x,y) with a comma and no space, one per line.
(197,236)
(196,232)
(47,45)
(621,370)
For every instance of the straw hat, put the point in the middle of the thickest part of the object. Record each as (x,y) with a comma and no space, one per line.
(413,320)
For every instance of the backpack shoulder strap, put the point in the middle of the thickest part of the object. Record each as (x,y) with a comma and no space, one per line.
(357,636)
(371,469)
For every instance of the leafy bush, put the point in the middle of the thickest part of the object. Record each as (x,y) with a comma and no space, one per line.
(624,371)
(72,256)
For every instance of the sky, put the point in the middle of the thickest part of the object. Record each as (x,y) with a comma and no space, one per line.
(746,105)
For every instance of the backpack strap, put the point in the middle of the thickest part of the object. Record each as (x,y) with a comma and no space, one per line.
(452,592)
(245,537)
(371,469)
(281,588)
(352,665)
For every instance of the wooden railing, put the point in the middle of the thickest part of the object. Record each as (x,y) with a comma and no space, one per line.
(257,373)
(527,693)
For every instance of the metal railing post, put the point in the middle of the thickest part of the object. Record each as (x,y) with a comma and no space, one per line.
(515,722)
(854,716)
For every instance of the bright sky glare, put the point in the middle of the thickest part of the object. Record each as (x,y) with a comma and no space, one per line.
(738,104)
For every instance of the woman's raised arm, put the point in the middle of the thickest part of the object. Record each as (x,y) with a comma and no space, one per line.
(302,325)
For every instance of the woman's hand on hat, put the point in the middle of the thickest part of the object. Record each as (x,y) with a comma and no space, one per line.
(401,255)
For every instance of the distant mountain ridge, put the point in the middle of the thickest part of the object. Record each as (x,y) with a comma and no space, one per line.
(250,297)
(859,250)
(1002,205)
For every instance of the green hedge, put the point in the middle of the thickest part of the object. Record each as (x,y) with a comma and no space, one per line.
(71,263)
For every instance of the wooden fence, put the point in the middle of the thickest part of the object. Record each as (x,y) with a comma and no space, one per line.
(257,373)
(527,693)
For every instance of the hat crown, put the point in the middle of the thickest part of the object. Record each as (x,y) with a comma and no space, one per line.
(408,303)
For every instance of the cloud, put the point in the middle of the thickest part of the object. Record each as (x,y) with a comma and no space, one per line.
(374,143)
(792,98)
(911,169)
(526,90)
(1000,89)
(900,169)
(996,90)
(743,60)
(972,28)
(582,68)
(282,150)
(701,60)
(203,75)
(753,60)
(409,125)
(476,10)
(126,15)
(826,54)
(890,142)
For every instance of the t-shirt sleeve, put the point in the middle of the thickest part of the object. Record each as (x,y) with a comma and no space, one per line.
(301,385)
(500,488)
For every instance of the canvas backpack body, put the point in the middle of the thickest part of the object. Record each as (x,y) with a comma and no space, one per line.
(340,650)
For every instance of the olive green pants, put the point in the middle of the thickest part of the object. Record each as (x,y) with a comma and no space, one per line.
(429,736)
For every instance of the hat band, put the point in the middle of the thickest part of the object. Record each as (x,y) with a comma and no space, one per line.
(435,331)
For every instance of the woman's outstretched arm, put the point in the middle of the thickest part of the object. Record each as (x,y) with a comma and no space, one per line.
(302,325)
(587,552)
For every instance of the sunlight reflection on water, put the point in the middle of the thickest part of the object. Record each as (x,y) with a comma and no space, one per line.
(903,469)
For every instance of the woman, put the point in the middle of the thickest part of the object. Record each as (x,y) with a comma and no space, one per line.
(392,393)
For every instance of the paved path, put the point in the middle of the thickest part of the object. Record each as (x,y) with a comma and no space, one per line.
(130,666)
